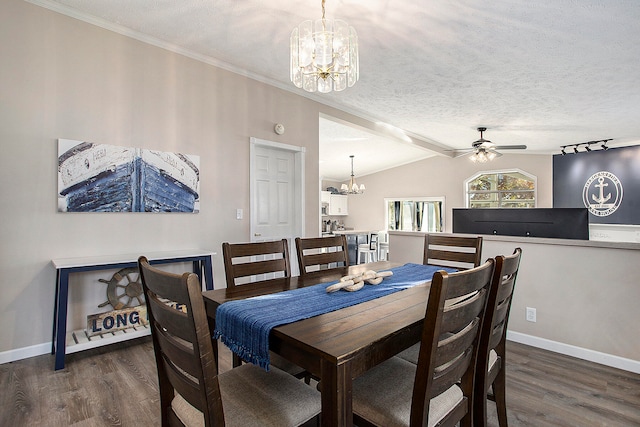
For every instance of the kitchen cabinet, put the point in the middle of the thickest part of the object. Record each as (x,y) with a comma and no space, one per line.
(325,197)
(338,205)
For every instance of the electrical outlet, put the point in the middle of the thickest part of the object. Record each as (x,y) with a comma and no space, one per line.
(531,314)
(238,213)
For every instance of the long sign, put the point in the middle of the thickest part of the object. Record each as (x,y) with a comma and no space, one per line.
(116,320)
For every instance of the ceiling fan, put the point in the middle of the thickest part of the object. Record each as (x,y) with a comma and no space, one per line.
(484,150)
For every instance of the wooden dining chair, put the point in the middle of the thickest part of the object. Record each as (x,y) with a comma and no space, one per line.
(241,265)
(321,253)
(490,370)
(272,263)
(191,391)
(452,251)
(439,389)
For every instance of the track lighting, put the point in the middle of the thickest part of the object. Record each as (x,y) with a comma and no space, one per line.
(587,146)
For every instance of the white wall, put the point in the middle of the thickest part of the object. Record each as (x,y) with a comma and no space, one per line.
(63,78)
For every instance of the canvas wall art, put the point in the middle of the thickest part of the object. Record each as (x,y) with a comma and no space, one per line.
(107,178)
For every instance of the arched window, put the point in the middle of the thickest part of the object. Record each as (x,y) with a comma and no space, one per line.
(501,189)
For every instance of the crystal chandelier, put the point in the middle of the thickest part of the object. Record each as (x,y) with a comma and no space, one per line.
(352,188)
(324,55)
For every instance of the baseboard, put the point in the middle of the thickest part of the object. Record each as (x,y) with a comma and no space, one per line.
(25,352)
(543,343)
(578,352)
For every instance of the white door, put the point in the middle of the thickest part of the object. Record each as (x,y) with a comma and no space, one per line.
(277,193)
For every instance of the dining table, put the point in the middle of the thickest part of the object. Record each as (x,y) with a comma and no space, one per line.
(338,346)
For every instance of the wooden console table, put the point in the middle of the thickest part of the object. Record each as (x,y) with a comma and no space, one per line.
(201,260)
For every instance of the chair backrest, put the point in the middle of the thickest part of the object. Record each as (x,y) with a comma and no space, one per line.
(494,328)
(320,253)
(373,241)
(182,343)
(452,251)
(240,262)
(449,343)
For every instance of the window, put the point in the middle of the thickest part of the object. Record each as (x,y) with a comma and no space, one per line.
(415,214)
(501,189)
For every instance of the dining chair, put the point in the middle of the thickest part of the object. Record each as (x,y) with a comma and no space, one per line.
(439,389)
(262,262)
(383,246)
(452,251)
(369,249)
(256,261)
(191,391)
(490,370)
(321,253)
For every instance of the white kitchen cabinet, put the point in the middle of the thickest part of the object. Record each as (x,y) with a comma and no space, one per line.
(325,197)
(338,205)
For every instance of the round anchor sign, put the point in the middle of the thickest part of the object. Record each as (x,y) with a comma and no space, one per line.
(602,193)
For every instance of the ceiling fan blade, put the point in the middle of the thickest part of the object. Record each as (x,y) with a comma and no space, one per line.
(510,147)
(462,153)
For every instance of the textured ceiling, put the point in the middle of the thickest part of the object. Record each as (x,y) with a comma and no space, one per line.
(542,73)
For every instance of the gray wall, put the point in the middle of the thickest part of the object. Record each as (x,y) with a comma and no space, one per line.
(438,176)
(63,78)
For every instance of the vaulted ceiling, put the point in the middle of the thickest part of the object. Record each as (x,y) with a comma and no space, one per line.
(541,73)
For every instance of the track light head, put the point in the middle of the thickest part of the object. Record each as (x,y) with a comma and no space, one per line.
(587,146)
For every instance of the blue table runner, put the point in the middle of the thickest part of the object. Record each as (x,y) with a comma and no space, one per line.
(244,325)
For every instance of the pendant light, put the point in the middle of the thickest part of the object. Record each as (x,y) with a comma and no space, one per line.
(353,187)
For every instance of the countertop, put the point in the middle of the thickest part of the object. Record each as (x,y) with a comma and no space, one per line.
(540,240)
(354,231)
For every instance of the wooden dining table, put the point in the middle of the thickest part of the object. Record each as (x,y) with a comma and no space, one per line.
(338,346)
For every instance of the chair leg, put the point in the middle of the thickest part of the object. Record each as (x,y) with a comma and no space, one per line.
(480,406)
(237,361)
(499,391)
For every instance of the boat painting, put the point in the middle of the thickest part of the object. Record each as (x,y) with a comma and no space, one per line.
(106,178)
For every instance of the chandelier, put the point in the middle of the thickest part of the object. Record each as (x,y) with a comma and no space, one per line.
(352,188)
(324,55)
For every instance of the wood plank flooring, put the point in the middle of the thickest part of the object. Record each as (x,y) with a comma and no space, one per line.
(116,385)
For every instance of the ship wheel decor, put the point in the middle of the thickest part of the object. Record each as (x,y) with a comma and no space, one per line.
(124,289)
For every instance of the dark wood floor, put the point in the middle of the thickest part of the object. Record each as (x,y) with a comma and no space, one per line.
(117,386)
